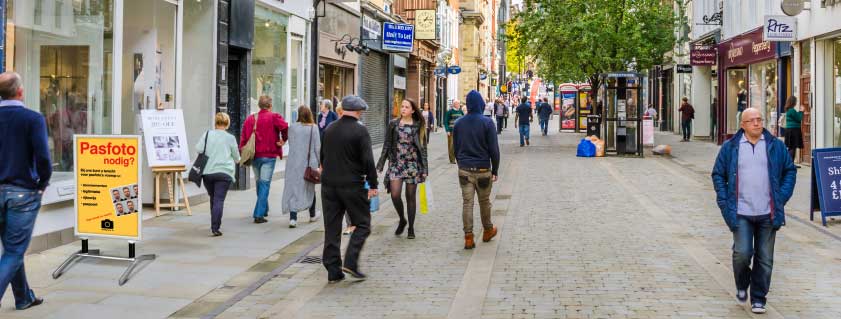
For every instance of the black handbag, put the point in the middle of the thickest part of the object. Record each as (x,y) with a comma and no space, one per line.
(198,166)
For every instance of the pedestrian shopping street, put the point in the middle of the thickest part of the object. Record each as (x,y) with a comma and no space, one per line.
(579,238)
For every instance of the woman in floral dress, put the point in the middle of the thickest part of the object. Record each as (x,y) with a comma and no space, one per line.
(405,150)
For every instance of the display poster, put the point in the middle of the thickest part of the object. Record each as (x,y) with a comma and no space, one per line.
(648,132)
(568,111)
(107,177)
(166,138)
(826,182)
(584,109)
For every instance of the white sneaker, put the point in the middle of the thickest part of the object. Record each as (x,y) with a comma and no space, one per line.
(758,308)
(293,223)
(316,217)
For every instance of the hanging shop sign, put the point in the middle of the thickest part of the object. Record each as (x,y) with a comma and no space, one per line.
(703,55)
(425,24)
(747,48)
(399,82)
(455,69)
(166,138)
(792,7)
(683,68)
(398,37)
(107,177)
(826,183)
(440,71)
(779,28)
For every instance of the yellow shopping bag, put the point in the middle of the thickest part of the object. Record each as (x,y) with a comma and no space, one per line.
(424,200)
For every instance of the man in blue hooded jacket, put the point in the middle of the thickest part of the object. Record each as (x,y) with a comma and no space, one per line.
(477,155)
(754,178)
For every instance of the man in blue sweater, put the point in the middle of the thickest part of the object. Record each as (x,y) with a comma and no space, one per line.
(24,175)
(477,154)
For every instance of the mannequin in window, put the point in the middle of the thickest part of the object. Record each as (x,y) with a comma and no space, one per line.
(742,97)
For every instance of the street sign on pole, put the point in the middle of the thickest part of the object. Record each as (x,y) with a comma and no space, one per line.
(455,69)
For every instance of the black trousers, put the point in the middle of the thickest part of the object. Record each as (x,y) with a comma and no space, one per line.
(217,188)
(499,123)
(335,202)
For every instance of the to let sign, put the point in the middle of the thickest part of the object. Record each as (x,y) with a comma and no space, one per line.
(398,37)
(780,28)
(826,182)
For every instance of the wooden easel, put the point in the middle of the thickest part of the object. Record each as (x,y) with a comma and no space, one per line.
(170,173)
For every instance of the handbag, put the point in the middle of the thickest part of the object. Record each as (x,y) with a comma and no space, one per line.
(311,175)
(198,166)
(247,152)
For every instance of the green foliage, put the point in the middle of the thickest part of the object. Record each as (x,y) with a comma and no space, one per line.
(514,55)
(575,40)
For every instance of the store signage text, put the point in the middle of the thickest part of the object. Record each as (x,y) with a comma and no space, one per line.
(702,55)
(373,27)
(779,28)
(398,37)
(748,48)
(683,68)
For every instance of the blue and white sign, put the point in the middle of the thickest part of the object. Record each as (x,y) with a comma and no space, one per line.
(440,71)
(483,76)
(779,28)
(398,37)
(826,182)
(455,69)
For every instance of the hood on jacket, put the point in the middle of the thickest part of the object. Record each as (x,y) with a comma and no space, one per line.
(475,102)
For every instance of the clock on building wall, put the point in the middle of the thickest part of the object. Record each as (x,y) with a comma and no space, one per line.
(425,24)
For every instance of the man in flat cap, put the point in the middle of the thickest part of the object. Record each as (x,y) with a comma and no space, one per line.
(348,162)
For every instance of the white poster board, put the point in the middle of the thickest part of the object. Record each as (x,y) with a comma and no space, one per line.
(648,132)
(165,138)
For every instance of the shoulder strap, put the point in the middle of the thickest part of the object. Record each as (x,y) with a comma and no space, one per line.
(309,148)
(206,136)
(255,122)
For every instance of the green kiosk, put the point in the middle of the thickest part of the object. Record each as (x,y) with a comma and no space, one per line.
(620,99)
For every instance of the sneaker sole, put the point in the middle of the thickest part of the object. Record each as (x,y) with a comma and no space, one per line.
(758,311)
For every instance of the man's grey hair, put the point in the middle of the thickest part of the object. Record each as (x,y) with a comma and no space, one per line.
(328,103)
(10,83)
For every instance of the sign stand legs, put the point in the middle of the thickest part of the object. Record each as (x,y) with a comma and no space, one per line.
(94,253)
(172,175)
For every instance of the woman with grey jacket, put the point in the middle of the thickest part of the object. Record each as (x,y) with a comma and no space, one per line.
(405,150)
(304,147)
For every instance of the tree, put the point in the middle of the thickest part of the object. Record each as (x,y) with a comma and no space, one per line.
(514,55)
(576,40)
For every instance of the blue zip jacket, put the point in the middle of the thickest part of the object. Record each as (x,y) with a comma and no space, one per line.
(781,172)
(474,137)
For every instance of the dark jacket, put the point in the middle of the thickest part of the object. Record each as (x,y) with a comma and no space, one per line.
(474,137)
(331,116)
(544,111)
(24,151)
(346,155)
(781,172)
(392,139)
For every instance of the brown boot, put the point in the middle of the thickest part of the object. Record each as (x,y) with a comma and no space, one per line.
(488,234)
(468,241)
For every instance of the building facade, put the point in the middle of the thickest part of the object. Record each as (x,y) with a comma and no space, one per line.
(471,41)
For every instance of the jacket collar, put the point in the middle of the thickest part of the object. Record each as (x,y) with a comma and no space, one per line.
(766,135)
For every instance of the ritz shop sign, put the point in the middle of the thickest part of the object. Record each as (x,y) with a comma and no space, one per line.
(748,48)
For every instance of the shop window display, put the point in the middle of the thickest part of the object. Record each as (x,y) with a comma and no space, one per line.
(763,92)
(268,59)
(65,62)
(334,82)
(737,98)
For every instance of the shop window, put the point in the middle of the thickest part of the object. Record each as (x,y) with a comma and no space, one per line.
(334,82)
(198,72)
(268,59)
(763,92)
(836,88)
(805,57)
(65,63)
(737,98)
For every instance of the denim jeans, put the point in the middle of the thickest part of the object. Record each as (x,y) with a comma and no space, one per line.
(686,126)
(18,211)
(217,188)
(544,126)
(754,239)
(263,170)
(524,133)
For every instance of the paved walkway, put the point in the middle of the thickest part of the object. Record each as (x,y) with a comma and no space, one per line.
(579,238)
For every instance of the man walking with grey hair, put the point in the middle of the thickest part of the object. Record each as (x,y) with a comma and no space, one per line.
(348,163)
(24,174)
(269,127)
(754,178)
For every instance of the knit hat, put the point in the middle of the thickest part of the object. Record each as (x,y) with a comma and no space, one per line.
(354,103)
(475,102)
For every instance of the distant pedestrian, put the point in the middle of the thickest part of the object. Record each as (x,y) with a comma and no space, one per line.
(544,113)
(339,110)
(304,151)
(348,163)
(220,147)
(793,135)
(450,118)
(477,151)
(405,150)
(754,179)
(523,116)
(270,127)
(24,174)
(687,114)
(499,112)
(326,116)
(505,113)
(651,112)
(429,117)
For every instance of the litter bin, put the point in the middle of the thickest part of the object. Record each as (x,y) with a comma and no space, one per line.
(594,125)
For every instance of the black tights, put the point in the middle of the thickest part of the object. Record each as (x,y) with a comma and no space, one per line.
(396,187)
(792,152)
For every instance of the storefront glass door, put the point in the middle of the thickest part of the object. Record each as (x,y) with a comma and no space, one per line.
(296,80)
(268,59)
(737,98)
(763,92)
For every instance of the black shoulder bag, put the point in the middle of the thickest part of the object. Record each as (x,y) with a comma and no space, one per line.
(198,166)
